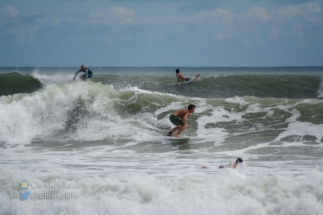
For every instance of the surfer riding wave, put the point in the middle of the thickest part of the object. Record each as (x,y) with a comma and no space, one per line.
(179,118)
(88,73)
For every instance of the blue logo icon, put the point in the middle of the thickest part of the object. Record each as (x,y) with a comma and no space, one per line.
(24,196)
(24,185)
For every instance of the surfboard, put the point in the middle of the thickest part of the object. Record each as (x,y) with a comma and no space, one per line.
(193,79)
(179,138)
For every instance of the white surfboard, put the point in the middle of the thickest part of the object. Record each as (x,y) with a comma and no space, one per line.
(178,138)
(193,79)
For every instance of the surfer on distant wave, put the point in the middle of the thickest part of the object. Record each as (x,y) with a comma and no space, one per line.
(180,77)
(88,73)
(179,118)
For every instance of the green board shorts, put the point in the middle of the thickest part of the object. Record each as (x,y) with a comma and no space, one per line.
(176,120)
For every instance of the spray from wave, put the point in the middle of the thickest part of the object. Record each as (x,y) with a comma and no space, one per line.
(75,111)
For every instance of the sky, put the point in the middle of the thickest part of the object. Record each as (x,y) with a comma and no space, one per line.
(153,33)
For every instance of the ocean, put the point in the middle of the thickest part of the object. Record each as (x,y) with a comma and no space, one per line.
(100,146)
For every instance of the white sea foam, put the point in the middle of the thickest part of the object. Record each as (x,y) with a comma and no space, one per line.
(122,140)
(229,192)
(320,90)
(237,100)
(119,150)
(301,129)
(44,112)
(57,78)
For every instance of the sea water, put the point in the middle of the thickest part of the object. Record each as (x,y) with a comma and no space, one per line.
(99,147)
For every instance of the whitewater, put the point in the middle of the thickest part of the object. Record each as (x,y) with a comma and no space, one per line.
(100,146)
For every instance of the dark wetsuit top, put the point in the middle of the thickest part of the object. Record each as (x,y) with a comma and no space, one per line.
(88,72)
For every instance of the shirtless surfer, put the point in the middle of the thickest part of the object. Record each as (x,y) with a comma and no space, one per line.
(180,77)
(179,118)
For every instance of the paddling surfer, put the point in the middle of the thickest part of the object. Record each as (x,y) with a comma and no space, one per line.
(179,118)
(230,165)
(181,77)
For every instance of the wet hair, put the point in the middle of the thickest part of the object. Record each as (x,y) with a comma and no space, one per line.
(191,106)
(177,70)
(239,160)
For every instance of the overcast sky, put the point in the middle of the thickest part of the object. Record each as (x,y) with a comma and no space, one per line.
(161,33)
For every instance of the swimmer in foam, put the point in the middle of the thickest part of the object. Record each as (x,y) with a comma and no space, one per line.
(88,73)
(230,165)
(181,77)
(179,118)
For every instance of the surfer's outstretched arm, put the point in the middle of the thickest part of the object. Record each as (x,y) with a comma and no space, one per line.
(76,74)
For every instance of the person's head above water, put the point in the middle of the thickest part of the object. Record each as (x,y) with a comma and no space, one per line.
(232,165)
(191,108)
(239,160)
(177,70)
